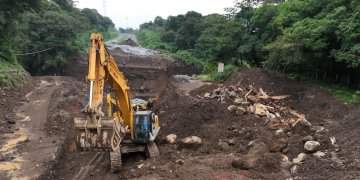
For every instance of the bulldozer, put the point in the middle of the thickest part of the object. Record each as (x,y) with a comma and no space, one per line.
(132,128)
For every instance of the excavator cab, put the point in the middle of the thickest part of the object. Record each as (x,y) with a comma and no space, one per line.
(145,123)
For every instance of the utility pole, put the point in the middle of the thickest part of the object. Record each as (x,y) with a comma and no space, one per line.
(104,3)
(126,23)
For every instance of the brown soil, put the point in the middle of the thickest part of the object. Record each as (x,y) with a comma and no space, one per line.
(49,151)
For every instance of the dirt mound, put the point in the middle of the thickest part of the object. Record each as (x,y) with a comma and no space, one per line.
(130,42)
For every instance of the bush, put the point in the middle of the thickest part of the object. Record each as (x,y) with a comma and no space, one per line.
(187,58)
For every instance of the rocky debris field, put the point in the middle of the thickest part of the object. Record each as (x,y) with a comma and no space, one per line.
(130,42)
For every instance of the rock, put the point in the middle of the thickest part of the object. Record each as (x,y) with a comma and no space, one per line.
(278,145)
(180,162)
(319,154)
(302,127)
(272,116)
(191,142)
(284,127)
(286,150)
(170,139)
(323,140)
(251,109)
(231,142)
(11,121)
(311,146)
(335,158)
(233,94)
(301,157)
(260,109)
(232,107)
(152,167)
(255,153)
(268,114)
(238,100)
(214,96)
(240,111)
(245,104)
(279,134)
(207,95)
(294,170)
(217,91)
(307,138)
(222,146)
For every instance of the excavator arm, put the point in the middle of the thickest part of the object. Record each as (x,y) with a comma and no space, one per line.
(98,131)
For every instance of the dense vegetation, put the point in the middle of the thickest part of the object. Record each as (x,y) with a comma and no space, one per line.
(318,39)
(31,26)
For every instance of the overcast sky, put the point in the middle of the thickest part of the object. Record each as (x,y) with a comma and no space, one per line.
(140,11)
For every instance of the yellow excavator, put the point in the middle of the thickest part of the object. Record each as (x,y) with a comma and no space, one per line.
(130,129)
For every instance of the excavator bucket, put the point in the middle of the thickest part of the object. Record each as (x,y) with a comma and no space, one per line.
(105,136)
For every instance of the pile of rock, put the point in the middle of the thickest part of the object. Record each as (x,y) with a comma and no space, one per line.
(130,42)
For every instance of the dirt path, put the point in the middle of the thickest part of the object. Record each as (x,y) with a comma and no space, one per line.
(34,148)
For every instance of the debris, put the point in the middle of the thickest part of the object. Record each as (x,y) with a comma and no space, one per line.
(311,146)
(260,109)
(301,157)
(302,127)
(333,140)
(141,165)
(180,162)
(170,139)
(241,111)
(207,95)
(232,107)
(335,158)
(278,145)
(319,154)
(238,101)
(255,153)
(191,142)
(294,170)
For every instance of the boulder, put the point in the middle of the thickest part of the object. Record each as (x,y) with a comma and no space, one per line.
(260,109)
(302,127)
(238,100)
(311,146)
(301,157)
(255,153)
(207,95)
(319,154)
(232,107)
(170,139)
(240,111)
(191,142)
(278,145)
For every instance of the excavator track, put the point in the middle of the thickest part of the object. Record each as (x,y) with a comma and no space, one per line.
(115,160)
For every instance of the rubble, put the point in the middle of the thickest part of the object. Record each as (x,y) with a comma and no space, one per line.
(170,139)
(191,142)
(301,157)
(302,127)
(255,153)
(311,146)
(278,145)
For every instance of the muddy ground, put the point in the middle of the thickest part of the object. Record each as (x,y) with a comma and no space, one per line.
(36,127)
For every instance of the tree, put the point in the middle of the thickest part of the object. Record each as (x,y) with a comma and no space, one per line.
(159,21)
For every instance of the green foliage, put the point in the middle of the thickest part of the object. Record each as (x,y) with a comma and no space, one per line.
(355,98)
(187,58)
(122,39)
(13,80)
(149,39)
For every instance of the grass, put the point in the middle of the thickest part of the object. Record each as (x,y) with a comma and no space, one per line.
(349,96)
(122,39)
(13,80)
(7,66)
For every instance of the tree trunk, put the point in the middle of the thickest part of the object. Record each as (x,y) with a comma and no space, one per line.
(255,58)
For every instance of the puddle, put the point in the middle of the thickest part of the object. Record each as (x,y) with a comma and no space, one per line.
(11,166)
(9,146)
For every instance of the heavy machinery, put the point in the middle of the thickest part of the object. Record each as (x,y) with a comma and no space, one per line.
(130,129)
